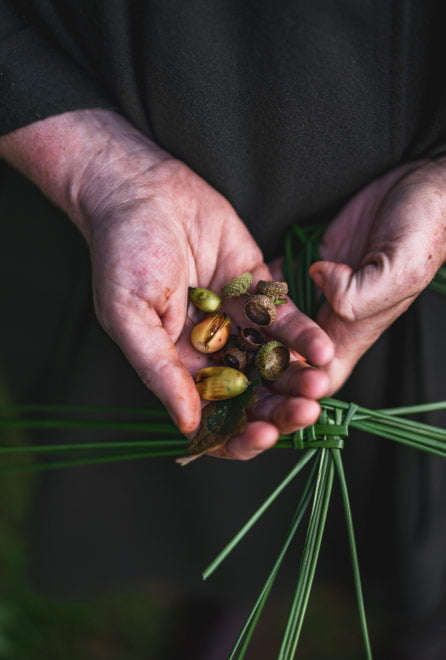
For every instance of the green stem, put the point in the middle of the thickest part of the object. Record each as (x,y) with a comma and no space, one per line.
(353,550)
(257,515)
(251,622)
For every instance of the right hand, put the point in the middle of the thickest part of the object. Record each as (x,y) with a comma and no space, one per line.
(155,228)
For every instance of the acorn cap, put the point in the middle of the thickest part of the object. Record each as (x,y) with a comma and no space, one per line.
(260,310)
(250,339)
(272,360)
(274,290)
(234,357)
(237,286)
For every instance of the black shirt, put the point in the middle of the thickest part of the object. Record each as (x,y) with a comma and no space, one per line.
(287,107)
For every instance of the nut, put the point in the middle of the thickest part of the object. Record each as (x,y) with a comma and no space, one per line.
(204,299)
(274,290)
(260,310)
(272,360)
(237,286)
(212,333)
(218,383)
(234,357)
(250,339)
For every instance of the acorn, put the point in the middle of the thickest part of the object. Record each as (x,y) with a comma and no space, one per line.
(250,339)
(272,360)
(237,286)
(260,310)
(276,291)
(212,333)
(234,357)
(204,299)
(219,383)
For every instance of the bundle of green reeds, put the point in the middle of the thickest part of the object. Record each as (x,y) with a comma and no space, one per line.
(320,443)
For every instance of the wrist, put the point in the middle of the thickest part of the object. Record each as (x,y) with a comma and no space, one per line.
(77,158)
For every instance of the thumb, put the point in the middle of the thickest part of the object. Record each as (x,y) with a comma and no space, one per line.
(355,295)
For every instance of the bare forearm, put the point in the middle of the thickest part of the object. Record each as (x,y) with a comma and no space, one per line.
(65,154)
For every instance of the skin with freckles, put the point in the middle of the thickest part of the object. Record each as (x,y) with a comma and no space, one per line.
(379,254)
(155,228)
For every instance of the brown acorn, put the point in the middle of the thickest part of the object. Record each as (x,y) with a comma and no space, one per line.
(238,286)
(212,333)
(272,360)
(234,357)
(260,310)
(250,339)
(274,290)
(219,383)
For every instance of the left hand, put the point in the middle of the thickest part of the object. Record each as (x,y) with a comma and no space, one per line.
(379,253)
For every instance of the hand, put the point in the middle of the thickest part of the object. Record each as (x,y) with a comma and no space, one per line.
(154,228)
(380,252)
(157,231)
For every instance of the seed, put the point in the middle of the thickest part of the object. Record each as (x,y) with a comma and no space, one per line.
(250,339)
(234,357)
(260,310)
(272,360)
(204,299)
(212,333)
(218,383)
(274,290)
(237,286)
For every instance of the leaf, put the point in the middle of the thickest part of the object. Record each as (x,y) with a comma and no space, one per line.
(220,421)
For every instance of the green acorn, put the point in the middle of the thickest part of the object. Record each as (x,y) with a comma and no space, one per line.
(219,383)
(204,299)
(237,286)
(272,360)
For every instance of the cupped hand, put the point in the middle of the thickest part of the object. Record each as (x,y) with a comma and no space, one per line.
(378,255)
(154,229)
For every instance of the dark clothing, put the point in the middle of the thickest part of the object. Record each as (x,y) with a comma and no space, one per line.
(287,108)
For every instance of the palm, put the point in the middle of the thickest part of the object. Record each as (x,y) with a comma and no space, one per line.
(379,254)
(146,252)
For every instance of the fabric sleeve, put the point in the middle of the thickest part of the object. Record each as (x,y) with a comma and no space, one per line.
(37,79)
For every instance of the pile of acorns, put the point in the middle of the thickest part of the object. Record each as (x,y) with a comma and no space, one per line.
(236,354)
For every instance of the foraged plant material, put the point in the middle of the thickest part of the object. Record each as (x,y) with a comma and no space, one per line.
(218,383)
(212,333)
(272,360)
(220,421)
(204,299)
(250,339)
(235,357)
(260,310)
(238,286)
(276,291)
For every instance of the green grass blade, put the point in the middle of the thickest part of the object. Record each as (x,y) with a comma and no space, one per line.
(9,410)
(310,556)
(104,445)
(248,629)
(56,465)
(107,425)
(353,550)
(257,515)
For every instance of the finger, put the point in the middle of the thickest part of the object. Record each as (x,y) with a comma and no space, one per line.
(153,355)
(299,332)
(287,414)
(373,289)
(301,379)
(255,439)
